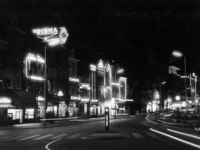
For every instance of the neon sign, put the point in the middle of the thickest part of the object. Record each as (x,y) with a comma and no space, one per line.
(100,68)
(5,100)
(74,79)
(94,100)
(93,67)
(52,35)
(75,98)
(34,72)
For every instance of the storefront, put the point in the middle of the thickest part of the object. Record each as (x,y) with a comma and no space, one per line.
(17,106)
(62,109)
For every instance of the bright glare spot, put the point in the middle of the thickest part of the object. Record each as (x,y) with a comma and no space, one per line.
(177,54)
(177,97)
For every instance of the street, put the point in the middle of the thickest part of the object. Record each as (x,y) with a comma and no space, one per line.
(138,134)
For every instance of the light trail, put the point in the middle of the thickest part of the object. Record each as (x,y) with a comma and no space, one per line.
(178,139)
(190,135)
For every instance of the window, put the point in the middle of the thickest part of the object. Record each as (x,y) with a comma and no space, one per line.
(10,69)
(74,71)
(50,72)
(54,73)
(1,58)
(70,70)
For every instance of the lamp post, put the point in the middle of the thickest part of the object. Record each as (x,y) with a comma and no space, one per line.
(52,36)
(117,71)
(179,54)
(178,98)
(161,94)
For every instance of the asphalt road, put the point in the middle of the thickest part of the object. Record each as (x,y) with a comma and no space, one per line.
(138,135)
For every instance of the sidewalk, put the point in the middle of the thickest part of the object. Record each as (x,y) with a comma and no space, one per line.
(63,122)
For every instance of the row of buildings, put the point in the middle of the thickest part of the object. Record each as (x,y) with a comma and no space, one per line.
(22,89)
(174,92)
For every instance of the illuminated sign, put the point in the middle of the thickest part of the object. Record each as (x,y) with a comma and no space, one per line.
(52,35)
(39,98)
(129,100)
(85,86)
(75,98)
(93,67)
(85,100)
(60,93)
(74,79)
(5,100)
(34,67)
(116,84)
(94,100)
(100,68)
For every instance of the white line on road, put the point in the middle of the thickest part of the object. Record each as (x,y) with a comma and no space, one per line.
(13,138)
(190,135)
(29,137)
(42,137)
(73,136)
(137,135)
(58,136)
(5,137)
(47,146)
(178,139)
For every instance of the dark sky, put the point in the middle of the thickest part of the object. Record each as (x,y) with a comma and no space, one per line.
(137,34)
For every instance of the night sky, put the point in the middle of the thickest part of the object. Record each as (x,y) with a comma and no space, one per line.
(139,35)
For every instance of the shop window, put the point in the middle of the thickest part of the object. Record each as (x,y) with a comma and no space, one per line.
(16,113)
(29,114)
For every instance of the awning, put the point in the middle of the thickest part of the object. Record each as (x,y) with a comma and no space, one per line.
(7,106)
(7,74)
(20,99)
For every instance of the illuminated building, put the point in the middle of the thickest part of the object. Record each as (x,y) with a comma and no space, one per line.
(73,83)
(106,89)
(15,103)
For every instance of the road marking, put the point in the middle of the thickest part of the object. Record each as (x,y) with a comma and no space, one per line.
(73,136)
(13,138)
(137,135)
(178,139)
(29,137)
(47,146)
(5,137)
(42,137)
(59,136)
(152,135)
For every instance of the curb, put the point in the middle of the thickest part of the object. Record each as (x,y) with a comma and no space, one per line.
(54,125)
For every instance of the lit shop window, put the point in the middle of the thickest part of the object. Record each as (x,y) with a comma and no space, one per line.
(29,113)
(16,113)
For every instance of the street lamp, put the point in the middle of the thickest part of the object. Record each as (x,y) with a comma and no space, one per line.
(179,54)
(178,98)
(161,103)
(117,71)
